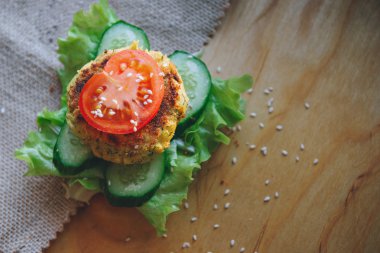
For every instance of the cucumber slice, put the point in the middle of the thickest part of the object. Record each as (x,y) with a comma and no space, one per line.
(70,153)
(122,34)
(197,81)
(132,185)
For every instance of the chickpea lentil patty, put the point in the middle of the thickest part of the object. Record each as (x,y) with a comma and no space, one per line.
(138,147)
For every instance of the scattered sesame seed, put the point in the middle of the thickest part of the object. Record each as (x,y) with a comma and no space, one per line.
(120,88)
(150,92)
(232,243)
(145,103)
(242,250)
(161,74)
(215,207)
(129,74)
(250,90)
(270,102)
(284,152)
(216,226)
(252,146)
(297,158)
(302,147)
(209,251)
(266,91)
(103,98)
(226,192)
(271,109)
(149,101)
(267,182)
(134,129)
(253,115)
(266,198)
(194,219)
(111,112)
(307,105)
(276,195)
(238,127)
(111,73)
(270,89)
(151,74)
(114,100)
(234,160)
(164,235)
(138,80)
(279,127)
(146,96)
(227,205)
(136,114)
(218,69)
(136,146)
(195,237)
(264,150)
(185,245)
(261,125)
(233,129)
(316,161)
(186,205)
(123,66)
(127,239)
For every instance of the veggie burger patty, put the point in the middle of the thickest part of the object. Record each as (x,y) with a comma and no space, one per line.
(141,145)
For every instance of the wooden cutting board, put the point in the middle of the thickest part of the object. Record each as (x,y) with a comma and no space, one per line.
(325,53)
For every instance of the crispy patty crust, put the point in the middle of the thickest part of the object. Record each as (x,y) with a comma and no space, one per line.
(153,138)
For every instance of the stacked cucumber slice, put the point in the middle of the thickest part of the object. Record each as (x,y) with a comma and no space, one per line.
(132,185)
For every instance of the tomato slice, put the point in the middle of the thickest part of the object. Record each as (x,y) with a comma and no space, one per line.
(125,96)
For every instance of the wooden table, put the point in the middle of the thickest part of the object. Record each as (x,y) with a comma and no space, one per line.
(325,53)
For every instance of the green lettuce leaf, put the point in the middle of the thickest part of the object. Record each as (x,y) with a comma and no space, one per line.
(82,41)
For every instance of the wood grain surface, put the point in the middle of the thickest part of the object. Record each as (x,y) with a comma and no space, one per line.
(326,53)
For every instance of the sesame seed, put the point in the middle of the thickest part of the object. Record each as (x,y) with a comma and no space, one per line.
(134,129)
(164,235)
(151,74)
(250,90)
(193,219)
(266,91)
(234,160)
(307,105)
(216,226)
(209,251)
(111,73)
(133,122)
(261,125)
(227,205)
(279,127)
(114,100)
(218,69)
(150,92)
(123,66)
(195,237)
(271,109)
(165,64)
(232,243)
(161,74)
(111,112)
(253,115)
(266,198)
(149,100)
(284,152)
(136,146)
(128,239)
(316,161)
(129,74)
(302,147)
(146,96)
(252,146)
(238,127)
(103,98)
(138,80)
(120,88)
(276,195)
(270,102)
(242,250)
(264,150)
(270,89)
(215,207)
(186,245)
(145,103)
(136,114)
(226,192)
(267,182)
(297,158)
(186,205)
(233,129)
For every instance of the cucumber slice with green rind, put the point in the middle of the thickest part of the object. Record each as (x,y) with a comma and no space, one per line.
(134,184)
(197,81)
(122,34)
(70,154)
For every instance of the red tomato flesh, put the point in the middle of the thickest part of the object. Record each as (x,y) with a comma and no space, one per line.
(125,96)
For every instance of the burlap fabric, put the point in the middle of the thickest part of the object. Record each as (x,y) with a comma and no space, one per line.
(33,209)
